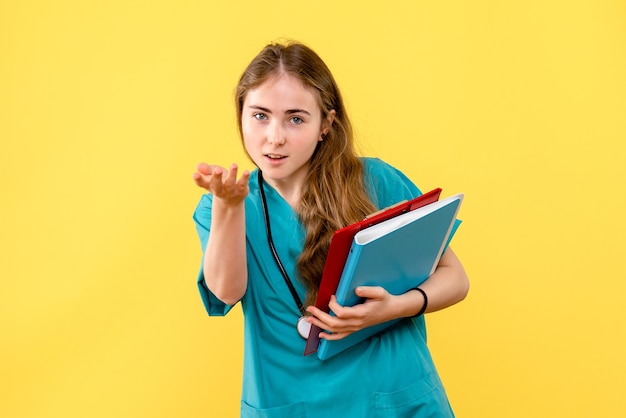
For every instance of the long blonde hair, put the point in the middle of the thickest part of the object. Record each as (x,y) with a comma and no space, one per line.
(334,194)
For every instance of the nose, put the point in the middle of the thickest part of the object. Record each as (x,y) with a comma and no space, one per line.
(275,135)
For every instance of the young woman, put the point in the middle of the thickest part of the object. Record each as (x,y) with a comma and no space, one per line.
(308,183)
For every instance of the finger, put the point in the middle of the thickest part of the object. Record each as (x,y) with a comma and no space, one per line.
(242,183)
(338,309)
(205,169)
(215,181)
(203,174)
(334,324)
(231,177)
(334,336)
(370,292)
(324,320)
(326,317)
(318,315)
(315,321)
(201,180)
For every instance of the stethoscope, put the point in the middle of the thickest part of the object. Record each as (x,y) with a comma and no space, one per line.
(302,325)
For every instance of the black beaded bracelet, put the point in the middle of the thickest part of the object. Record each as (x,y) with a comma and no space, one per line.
(421,312)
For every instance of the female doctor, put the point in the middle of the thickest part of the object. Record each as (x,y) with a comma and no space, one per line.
(265,235)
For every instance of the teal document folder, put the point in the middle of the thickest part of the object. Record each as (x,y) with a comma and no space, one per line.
(398,254)
(339,249)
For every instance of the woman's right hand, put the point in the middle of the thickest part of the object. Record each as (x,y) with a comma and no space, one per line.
(222,183)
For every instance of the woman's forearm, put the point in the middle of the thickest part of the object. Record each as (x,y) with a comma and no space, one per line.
(447,286)
(225,267)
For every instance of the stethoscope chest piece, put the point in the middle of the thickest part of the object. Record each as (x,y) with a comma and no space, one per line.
(304,327)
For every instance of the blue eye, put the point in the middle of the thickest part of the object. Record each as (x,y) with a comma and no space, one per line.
(296,120)
(260,116)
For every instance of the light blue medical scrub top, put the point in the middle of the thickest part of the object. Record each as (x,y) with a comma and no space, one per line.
(388,375)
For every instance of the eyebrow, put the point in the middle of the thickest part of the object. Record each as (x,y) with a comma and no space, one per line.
(288,112)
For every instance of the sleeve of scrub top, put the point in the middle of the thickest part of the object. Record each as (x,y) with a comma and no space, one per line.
(202,218)
(388,185)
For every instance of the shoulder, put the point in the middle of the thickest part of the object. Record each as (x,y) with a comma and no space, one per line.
(386,184)
(377,167)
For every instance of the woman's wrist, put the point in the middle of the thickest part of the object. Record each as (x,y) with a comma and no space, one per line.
(422,310)
(411,304)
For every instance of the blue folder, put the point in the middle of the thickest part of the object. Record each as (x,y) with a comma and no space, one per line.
(398,254)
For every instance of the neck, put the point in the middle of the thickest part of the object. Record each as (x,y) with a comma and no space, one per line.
(288,190)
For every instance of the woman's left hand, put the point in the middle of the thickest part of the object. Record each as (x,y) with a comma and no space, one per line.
(445,287)
(378,307)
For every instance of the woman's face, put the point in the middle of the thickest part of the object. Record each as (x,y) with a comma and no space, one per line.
(282,124)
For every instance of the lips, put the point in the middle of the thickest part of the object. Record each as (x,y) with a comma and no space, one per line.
(275,156)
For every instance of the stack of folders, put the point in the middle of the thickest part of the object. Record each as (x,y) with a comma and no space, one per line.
(397,248)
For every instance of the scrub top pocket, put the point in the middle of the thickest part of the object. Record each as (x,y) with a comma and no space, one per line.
(425,398)
(295,410)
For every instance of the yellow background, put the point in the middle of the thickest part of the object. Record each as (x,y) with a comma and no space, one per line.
(106,107)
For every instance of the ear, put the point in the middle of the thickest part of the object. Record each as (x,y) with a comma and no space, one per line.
(327,123)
